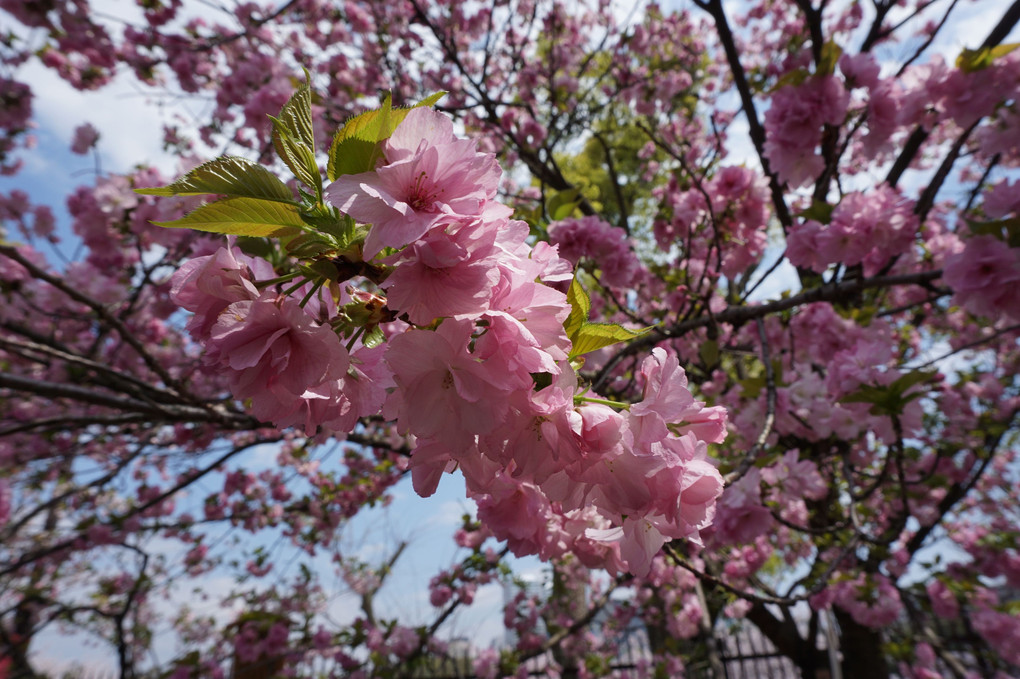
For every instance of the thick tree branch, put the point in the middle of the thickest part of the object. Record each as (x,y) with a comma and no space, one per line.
(740,314)
(757,132)
(104,314)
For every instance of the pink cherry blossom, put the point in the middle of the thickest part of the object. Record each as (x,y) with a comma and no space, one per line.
(984,277)
(208,285)
(429,174)
(276,353)
(444,391)
(793,125)
(603,243)
(85,137)
(446,273)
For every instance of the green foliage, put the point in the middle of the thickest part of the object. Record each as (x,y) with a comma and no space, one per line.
(356,145)
(258,204)
(708,352)
(294,139)
(975,60)
(831,52)
(563,203)
(586,336)
(792,78)
(753,384)
(1007,230)
(820,211)
(227,176)
(608,171)
(242,217)
(891,399)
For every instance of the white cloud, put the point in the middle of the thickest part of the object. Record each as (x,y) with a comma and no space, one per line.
(128,119)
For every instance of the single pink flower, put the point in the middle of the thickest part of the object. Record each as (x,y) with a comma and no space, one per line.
(517,512)
(274,348)
(445,273)
(639,540)
(208,285)
(85,137)
(443,391)
(428,174)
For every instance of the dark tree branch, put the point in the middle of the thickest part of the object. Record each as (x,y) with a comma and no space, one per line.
(101,311)
(115,522)
(757,132)
(738,315)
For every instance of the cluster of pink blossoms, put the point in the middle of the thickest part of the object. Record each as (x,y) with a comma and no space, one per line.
(605,244)
(865,228)
(984,276)
(476,369)
(794,123)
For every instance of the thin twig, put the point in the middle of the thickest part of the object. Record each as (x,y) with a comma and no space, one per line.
(770,412)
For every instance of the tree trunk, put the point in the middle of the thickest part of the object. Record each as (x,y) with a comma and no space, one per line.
(863,655)
(784,635)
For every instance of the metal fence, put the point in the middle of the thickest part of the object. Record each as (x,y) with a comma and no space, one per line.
(744,651)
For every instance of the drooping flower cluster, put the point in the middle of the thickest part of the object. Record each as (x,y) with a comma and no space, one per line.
(476,369)
(984,277)
(865,228)
(607,246)
(794,126)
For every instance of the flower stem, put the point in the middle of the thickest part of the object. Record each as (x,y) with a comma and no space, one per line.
(603,401)
(292,288)
(315,289)
(262,285)
(354,338)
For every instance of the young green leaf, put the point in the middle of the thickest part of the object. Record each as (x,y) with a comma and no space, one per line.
(431,100)
(373,338)
(580,308)
(355,146)
(563,203)
(297,116)
(594,336)
(297,155)
(975,60)
(586,336)
(1007,230)
(228,176)
(890,399)
(831,52)
(709,353)
(820,211)
(242,217)
(794,78)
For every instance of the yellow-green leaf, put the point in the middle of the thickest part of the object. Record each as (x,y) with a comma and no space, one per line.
(975,60)
(227,176)
(297,116)
(594,336)
(820,211)
(709,353)
(831,52)
(299,157)
(242,217)
(580,308)
(1007,230)
(793,78)
(563,203)
(355,145)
